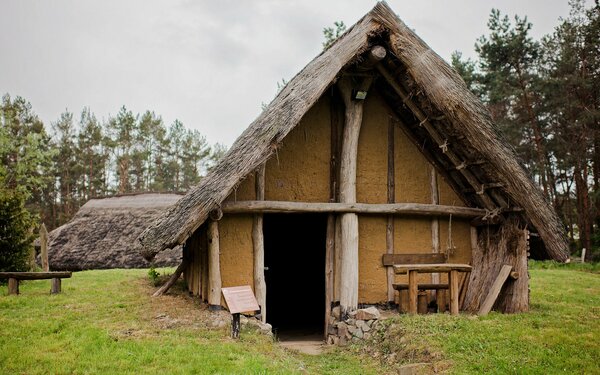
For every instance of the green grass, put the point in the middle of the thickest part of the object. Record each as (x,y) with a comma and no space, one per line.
(561,333)
(106,322)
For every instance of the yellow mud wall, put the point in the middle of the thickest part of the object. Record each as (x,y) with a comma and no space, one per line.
(300,172)
(412,185)
(300,169)
(237,260)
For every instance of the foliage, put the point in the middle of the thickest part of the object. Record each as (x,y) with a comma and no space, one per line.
(15,232)
(153,275)
(331,34)
(87,158)
(545,97)
(106,322)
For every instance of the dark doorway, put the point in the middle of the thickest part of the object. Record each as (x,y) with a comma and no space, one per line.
(295,275)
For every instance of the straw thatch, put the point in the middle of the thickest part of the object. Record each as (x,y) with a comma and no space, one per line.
(455,114)
(103,234)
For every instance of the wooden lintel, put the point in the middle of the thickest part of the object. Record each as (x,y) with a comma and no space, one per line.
(435,135)
(417,209)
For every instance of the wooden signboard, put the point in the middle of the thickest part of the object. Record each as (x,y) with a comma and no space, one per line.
(240,299)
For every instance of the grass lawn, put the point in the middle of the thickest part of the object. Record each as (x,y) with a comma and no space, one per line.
(561,333)
(106,322)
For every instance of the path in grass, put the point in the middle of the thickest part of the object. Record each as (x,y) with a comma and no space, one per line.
(105,322)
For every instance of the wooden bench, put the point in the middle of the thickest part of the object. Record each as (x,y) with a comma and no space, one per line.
(15,277)
(412,264)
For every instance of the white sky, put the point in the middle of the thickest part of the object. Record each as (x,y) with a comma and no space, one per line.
(209,64)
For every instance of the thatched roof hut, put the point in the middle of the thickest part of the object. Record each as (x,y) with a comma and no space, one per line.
(103,234)
(418,116)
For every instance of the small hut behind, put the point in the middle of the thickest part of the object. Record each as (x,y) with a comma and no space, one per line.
(376,149)
(103,234)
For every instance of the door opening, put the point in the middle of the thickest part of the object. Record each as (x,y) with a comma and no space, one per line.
(295,274)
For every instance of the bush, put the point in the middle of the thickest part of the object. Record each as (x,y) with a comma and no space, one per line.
(16,236)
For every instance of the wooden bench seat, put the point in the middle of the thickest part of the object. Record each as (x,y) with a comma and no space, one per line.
(15,277)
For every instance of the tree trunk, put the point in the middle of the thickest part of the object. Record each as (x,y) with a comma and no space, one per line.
(508,245)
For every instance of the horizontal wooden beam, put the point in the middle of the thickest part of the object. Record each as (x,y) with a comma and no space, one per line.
(399,259)
(34,275)
(418,209)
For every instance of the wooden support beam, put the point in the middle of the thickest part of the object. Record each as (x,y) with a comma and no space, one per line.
(329,266)
(435,224)
(489,301)
(349,221)
(258,243)
(174,277)
(412,292)
(484,187)
(465,164)
(453,281)
(44,248)
(391,198)
(13,286)
(55,285)
(442,143)
(214,268)
(416,209)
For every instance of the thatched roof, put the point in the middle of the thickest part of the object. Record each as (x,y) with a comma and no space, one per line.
(103,234)
(433,89)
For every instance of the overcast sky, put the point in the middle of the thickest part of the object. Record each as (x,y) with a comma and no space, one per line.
(209,64)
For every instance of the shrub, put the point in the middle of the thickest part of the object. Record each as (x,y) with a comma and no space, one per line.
(153,275)
(16,236)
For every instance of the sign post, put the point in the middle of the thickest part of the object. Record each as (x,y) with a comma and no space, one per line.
(239,299)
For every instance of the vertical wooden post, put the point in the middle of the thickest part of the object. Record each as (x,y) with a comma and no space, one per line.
(44,248)
(453,285)
(235,326)
(391,198)
(413,291)
(214,268)
(435,227)
(329,260)
(55,285)
(349,221)
(258,243)
(332,256)
(13,286)
(337,260)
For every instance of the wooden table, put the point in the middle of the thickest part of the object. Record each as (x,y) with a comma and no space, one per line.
(413,269)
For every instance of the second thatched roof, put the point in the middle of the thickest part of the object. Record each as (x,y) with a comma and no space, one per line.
(103,234)
(422,89)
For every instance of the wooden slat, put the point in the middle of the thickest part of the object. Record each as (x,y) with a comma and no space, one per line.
(438,267)
(399,259)
(487,305)
(34,275)
(422,286)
